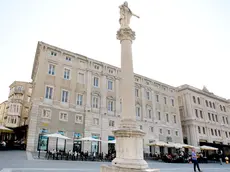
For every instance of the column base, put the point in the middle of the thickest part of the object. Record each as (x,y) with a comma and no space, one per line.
(110,168)
(129,146)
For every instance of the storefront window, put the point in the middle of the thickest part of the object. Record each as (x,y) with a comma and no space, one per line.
(61,142)
(77,144)
(111,146)
(95,145)
(43,140)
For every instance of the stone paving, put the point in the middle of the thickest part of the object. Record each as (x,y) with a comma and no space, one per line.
(20,161)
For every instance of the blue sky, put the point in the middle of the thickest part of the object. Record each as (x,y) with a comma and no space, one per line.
(177,42)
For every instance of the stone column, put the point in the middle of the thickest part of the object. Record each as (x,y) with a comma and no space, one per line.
(129,145)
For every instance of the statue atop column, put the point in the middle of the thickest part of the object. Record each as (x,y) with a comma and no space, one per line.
(125,15)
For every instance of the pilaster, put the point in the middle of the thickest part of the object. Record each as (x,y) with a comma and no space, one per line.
(143,103)
(118,108)
(89,86)
(103,94)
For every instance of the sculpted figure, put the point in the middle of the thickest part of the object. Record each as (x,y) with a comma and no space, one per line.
(125,15)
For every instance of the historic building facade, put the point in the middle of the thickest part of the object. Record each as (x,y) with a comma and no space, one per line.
(205,117)
(3,112)
(80,97)
(18,106)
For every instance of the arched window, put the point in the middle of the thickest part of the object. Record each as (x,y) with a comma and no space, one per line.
(199,129)
(213,104)
(224,109)
(220,107)
(206,101)
(194,99)
(198,100)
(212,131)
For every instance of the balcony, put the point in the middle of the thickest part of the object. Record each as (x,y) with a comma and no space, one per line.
(17,100)
(18,91)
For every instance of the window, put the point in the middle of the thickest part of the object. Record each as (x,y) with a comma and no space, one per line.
(176,133)
(226,133)
(223,119)
(209,116)
(218,132)
(194,99)
(65,96)
(203,130)
(196,112)
(151,129)
(148,95)
(206,101)
(227,120)
(169,132)
(220,107)
(141,128)
(212,131)
(95,102)
(165,100)
(136,92)
(110,106)
(213,104)
(149,113)
(63,116)
(68,58)
(160,130)
(81,78)
(157,98)
(111,123)
(66,73)
(159,116)
(110,85)
(78,119)
(201,114)
(46,114)
(79,99)
(96,82)
(224,109)
(199,129)
(136,80)
(138,111)
(213,117)
(110,71)
(96,67)
(167,117)
(216,118)
(51,69)
(172,101)
(174,117)
(198,100)
(49,92)
(53,53)
(210,104)
(95,121)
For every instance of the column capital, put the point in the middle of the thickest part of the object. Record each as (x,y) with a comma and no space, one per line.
(125,34)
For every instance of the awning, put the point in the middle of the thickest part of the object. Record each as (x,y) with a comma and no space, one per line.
(208,148)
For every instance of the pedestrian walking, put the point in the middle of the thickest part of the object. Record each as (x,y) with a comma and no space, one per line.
(194,160)
(220,157)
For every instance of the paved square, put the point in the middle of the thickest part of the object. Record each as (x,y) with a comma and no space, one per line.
(19,161)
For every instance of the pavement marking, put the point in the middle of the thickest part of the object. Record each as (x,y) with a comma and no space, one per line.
(46,169)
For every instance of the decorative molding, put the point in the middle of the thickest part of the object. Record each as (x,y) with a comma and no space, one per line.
(125,34)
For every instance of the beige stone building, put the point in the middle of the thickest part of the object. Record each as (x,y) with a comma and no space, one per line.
(3,112)
(18,106)
(205,117)
(80,97)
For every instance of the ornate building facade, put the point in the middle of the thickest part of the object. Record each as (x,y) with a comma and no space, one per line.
(80,97)
(205,117)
